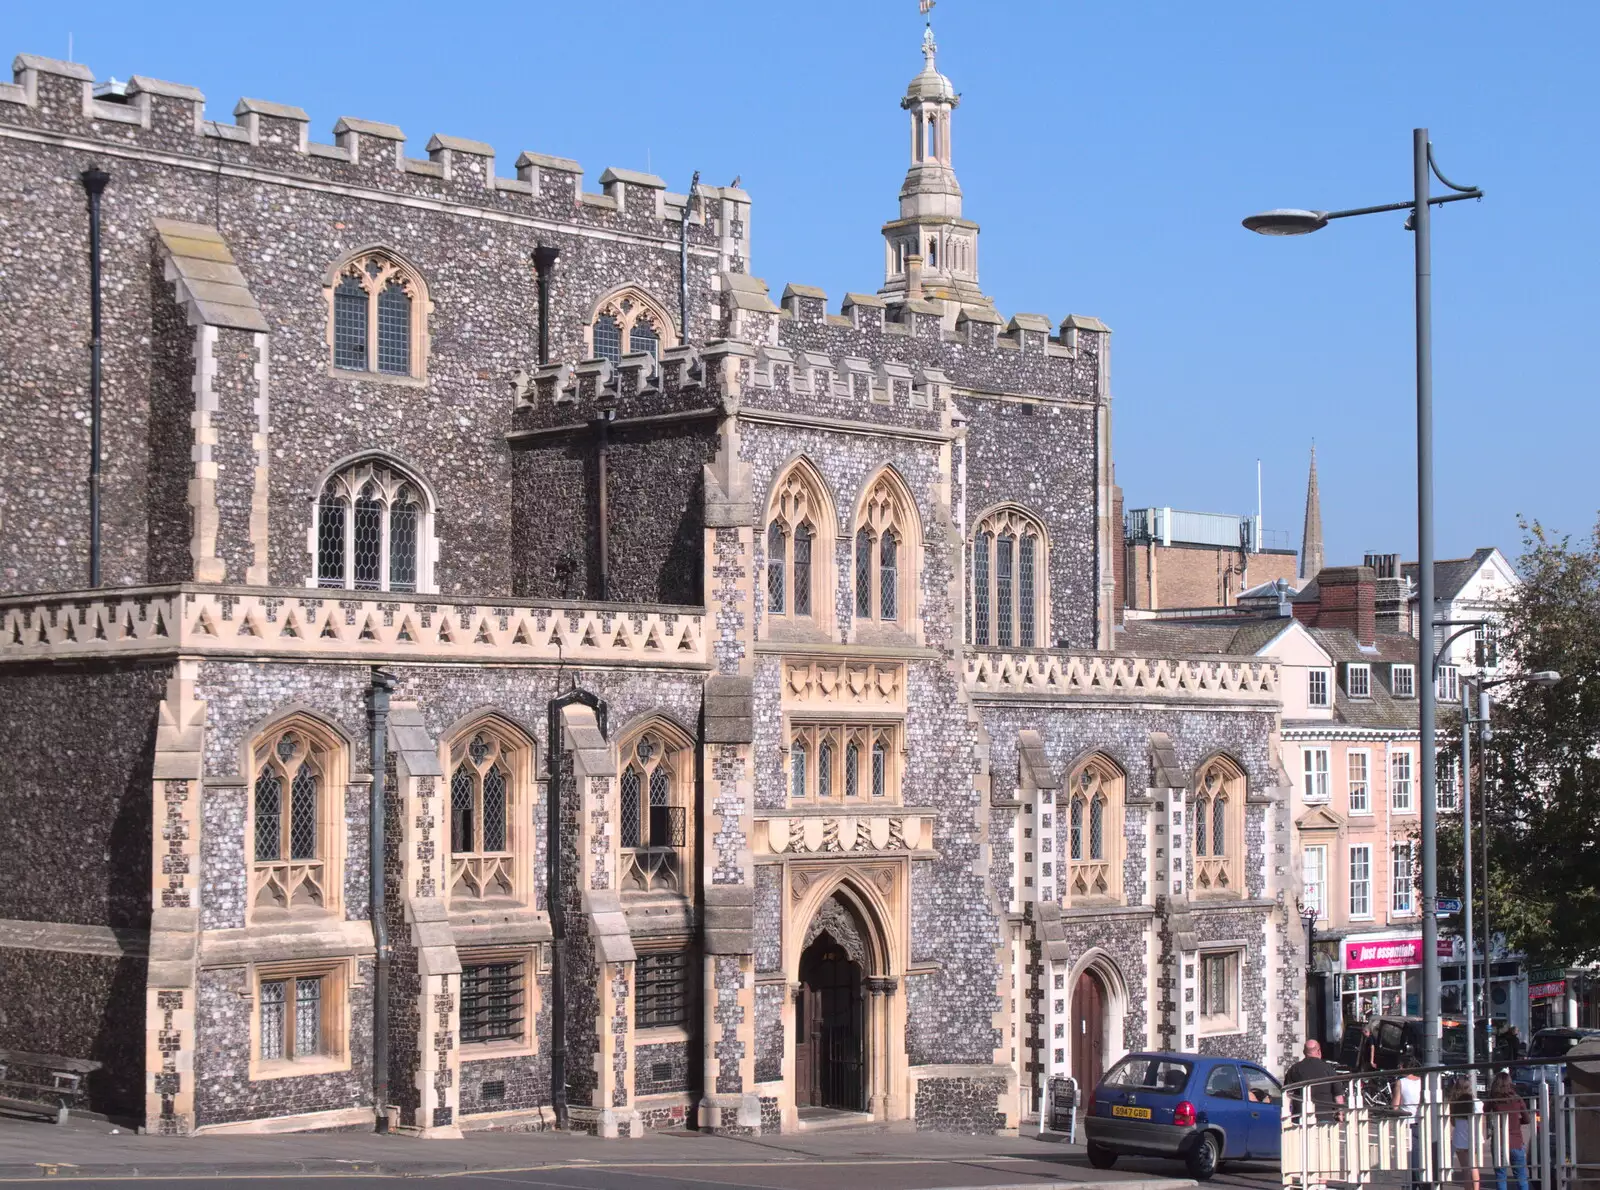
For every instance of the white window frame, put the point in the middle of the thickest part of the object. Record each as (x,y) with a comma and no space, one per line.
(1318,682)
(1403,758)
(1409,673)
(1318,775)
(1402,887)
(1361,884)
(1449,782)
(1356,670)
(347,481)
(1314,862)
(1229,1018)
(1448,687)
(1365,809)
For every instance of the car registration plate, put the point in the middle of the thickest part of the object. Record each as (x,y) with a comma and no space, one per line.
(1131,1113)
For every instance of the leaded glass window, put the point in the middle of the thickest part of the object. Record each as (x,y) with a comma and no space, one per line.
(303,814)
(825,769)
(1218,831)
(1219,826)
(1025,601)
(802,569)
(884,523)
(1094,867)
(880,769)
(394,329)
(1004,607)
(1008,581)
(1097,828)
(269,814)
(654,818)
(797,772)
(827,758)
(888,575)
(981,593)
(1077,828)
(852,767)
(777,548)
(375,317)
(290,782)
(290,1017)
(864,573)
(483,762)
(608,339)
(632,816)
(372,524)
(350,307)
(643,337)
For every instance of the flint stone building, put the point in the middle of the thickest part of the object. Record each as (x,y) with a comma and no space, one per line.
(805,620)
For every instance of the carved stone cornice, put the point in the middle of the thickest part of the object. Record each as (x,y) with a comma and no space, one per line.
(818,682)
(862,831)
(1119,678)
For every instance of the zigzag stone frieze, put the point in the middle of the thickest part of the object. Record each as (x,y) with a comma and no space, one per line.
(1104,675)
(349,624)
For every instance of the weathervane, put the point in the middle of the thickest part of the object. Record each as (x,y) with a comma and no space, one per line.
(928,47)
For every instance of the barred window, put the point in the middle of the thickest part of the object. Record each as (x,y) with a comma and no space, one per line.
(885,522)
(377,325)
(797,523)
(372,525)
(492,1001)
(291,1018)
(661,995)
(1008,581)
(294,767)
(632,320)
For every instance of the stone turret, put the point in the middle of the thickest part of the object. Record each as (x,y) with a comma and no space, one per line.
(930,251)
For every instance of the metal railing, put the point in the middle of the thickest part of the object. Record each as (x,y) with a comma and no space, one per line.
(1347,1131)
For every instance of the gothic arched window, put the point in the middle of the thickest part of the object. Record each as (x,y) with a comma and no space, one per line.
(489,765)
(885,530)
(378,316)
(653,811)
(296,783)
(1218,828)
(629,322)
(1009,608)
(798,525)
(374,530)
(1095,794)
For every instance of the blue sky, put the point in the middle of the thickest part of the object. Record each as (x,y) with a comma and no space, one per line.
(1109,151)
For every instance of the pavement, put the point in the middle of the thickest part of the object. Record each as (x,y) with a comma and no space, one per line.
(92,1153)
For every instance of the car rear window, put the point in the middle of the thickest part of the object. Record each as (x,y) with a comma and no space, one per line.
(1164,1075)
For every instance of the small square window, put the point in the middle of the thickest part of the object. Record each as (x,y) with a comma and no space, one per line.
(1317,687)
(1358,681)
(300,1020)
(1404,681)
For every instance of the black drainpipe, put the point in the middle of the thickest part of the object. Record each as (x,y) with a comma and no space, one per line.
(558,921)
(544,263)
(683,259)
(382,687)
(94,180)
(606,407)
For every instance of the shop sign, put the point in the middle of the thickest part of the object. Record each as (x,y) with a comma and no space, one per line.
(1385,954)
(1546,991)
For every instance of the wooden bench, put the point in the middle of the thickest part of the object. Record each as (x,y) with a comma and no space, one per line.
(43,1084)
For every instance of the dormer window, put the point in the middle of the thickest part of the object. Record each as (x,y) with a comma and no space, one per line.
(1403,679)
(1358,681)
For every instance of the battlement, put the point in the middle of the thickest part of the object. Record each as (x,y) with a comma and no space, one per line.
(145,115)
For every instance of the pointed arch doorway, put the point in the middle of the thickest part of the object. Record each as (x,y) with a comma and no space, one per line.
(830,1032)
(1088,1030)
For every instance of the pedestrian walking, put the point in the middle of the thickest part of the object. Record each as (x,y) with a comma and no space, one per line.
(1326,1097)
(1407,1097)
(1460,1104)
(1505,1102)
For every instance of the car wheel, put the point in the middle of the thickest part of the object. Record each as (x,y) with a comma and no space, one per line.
(1101,1157)
(1204,1158)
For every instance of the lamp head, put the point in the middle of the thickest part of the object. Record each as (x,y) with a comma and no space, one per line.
(1287,222)
(1544,677)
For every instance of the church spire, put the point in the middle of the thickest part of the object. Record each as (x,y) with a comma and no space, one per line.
(931,252)
(1311,560)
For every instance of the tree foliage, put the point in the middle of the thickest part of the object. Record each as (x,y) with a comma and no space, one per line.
(1542,766)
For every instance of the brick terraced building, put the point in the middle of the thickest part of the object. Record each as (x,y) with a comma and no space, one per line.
(804,620)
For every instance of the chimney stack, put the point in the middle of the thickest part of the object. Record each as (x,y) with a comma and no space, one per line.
(1347,599)
(914,277)
(1391,594)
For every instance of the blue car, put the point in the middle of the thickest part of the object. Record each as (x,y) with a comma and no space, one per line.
(1202,1111)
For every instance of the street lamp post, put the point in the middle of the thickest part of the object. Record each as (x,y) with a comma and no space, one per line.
(1308,915)
(1300,222)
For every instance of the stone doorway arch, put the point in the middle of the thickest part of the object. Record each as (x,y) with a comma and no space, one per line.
(1097,1010)
(845,1025)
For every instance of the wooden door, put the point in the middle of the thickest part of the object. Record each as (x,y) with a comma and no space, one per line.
(1088,1032)
(807,1043)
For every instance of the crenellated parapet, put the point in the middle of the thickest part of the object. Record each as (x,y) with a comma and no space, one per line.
(145,117)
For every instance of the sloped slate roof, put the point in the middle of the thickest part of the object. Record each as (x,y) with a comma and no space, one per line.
(1451,574)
